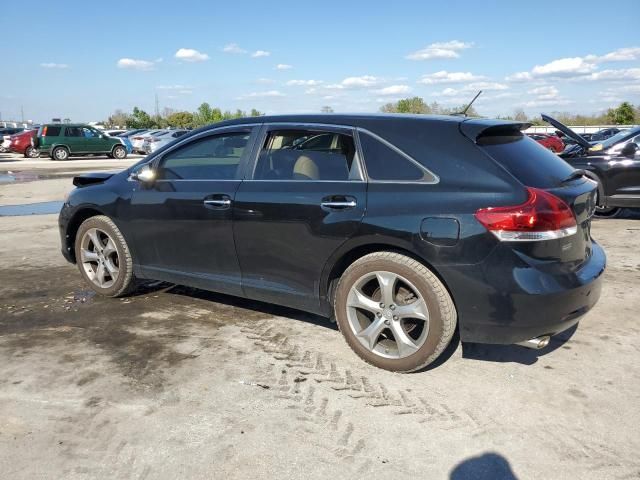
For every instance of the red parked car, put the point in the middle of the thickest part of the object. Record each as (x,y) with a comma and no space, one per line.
(24,142)
(552,142)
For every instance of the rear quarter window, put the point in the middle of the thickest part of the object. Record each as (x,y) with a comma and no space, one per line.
(387,164)
(53,131)
(526,159)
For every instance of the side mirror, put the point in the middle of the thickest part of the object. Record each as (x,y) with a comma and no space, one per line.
(629,150)
(146,174)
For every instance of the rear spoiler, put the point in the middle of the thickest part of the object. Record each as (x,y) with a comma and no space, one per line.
(476,127)
(91,178)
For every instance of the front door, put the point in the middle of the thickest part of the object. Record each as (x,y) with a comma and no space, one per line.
(304,199)
(182,223)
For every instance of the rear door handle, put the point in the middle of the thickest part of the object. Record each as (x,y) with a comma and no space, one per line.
(221,202)
(338,203)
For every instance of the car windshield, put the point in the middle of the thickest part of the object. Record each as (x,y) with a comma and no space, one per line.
(620,136)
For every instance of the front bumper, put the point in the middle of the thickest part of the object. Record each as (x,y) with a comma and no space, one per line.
(522,302)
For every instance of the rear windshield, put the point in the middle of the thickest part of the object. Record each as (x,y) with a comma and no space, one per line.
(527,160)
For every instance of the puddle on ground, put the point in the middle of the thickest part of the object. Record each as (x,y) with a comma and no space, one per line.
(40,208)
(6,178)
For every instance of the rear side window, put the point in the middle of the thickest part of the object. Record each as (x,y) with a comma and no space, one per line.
(50,131)
(387,164)
(300,154)
(527,160)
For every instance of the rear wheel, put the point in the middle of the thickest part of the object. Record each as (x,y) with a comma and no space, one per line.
(103,257)
(60,153)
(602,211)
(394,312)
(31,152)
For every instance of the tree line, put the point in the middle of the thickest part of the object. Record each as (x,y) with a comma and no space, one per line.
(204,115)
(624,114)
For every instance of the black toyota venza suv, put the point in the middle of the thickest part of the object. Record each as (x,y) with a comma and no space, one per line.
(401,228)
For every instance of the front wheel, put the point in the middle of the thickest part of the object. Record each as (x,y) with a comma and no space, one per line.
(119,152)
(394,312)
(103,257)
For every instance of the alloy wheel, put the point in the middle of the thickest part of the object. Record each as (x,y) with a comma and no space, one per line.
(387,314)
(99,257)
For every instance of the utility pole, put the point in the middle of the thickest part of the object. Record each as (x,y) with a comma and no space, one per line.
(21,113)
(157,107)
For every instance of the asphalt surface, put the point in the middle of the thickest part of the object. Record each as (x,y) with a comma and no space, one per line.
(180,383)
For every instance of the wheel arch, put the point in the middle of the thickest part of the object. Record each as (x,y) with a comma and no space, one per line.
(75,221)
(346,256)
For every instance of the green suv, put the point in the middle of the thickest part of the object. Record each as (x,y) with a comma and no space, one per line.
(61,141)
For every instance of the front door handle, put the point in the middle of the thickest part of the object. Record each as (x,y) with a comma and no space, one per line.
(221,202)
(338,202)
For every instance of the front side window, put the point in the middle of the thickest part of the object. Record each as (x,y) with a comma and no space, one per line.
(301,154)
(89,132)
(387,164)
(211,158)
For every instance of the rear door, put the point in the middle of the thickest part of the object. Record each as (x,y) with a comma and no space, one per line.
(182,223)
(74,139)
(305,197)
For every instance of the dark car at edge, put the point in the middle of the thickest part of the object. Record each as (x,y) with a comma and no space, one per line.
(403,229)
(614,163)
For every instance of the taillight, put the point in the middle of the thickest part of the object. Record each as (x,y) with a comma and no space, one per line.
(542,217)
(44,132)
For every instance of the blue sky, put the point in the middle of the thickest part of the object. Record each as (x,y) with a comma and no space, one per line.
(83,60)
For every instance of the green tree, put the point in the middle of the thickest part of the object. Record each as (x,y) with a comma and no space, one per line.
(180,119)
(624,114)
(407,105)
(139,119)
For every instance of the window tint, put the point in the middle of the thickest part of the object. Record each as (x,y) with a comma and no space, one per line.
(525,159)
(385,163)
(72,132)
(301,154)
(210,158)
(52,131)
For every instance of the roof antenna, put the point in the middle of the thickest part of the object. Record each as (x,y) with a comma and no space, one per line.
(464,112)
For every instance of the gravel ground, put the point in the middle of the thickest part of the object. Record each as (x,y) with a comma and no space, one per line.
(179,383)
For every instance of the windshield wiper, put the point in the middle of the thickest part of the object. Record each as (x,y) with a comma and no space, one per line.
(575,174)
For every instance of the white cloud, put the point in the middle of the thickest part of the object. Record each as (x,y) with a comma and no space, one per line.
(191,55)
(547,103)
(283,66)
(54,65)
(626,54)
(173,87)
(260,53)
(133,64)
(622,75)
(563,66)
(581,67)
(267,94)
(265,81)
(449,77)
(233,48)
(365,81)
(393,90)
(301,83)
(545,93)
(473,87)
(440,50)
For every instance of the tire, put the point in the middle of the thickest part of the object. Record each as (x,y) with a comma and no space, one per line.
(119,152)
(60,153)
(100,242)
(31,152)
(604,212)
(425,318)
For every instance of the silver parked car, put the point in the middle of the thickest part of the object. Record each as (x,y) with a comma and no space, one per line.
(137,140)
(154,142)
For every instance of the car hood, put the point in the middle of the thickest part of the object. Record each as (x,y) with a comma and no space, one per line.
(566,130)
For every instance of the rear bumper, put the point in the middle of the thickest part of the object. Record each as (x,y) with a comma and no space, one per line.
(522,302)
